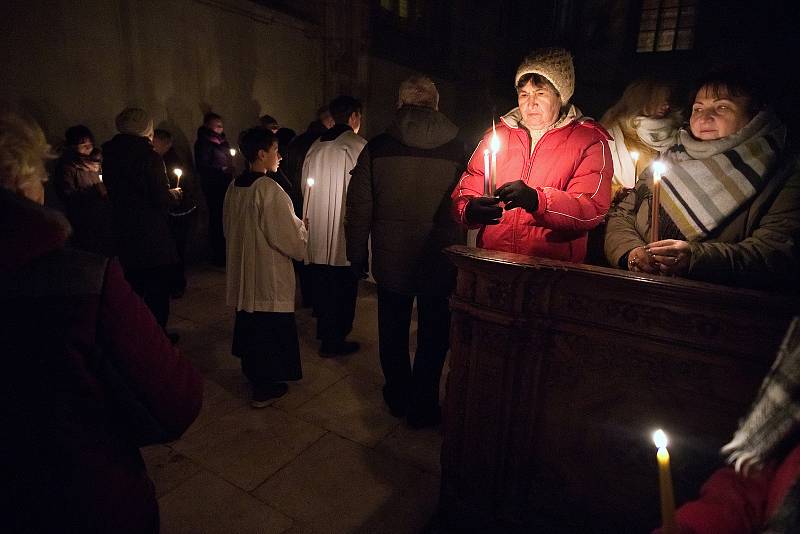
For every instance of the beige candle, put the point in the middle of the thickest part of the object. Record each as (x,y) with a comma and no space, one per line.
(486,173)
(658,172)
(668,525)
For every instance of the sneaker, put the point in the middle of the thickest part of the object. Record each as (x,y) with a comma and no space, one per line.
(338,348)
(263,396)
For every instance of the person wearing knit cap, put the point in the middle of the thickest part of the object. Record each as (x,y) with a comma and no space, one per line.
(554,169)
(140,197)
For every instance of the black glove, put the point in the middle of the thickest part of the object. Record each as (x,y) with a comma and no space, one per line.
(518,195)
(359,269)
(483,210)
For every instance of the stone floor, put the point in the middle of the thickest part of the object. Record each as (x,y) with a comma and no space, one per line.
(327,457)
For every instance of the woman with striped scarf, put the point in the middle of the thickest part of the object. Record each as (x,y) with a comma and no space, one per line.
(730,197)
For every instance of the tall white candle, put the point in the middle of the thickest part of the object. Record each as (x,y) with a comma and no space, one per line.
(486,173)
(495,146)
(307,199)
(178,173)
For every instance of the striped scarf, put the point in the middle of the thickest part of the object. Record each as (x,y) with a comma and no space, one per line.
(707,181)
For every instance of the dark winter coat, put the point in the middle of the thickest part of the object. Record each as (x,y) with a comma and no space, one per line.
(68,461)
(86,203)
(212,157)
(292,165)
(139,190)
(400,194)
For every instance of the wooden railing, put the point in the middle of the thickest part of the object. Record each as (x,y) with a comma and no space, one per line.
(559,373)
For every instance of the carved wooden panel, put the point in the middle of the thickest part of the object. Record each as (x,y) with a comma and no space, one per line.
(560,372)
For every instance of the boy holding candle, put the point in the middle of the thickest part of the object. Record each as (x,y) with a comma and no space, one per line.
(262,236)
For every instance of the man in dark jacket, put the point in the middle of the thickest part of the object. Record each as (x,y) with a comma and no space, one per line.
(400,194)
(214,164)
(140,195)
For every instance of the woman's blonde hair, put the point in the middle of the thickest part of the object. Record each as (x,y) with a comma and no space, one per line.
(23,149)
(640,98)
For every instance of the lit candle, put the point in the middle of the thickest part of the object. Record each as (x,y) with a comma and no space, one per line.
(486,173)
(658,172)
(668,525)
(307,200)
(635,158)
(100,176)
(232,151)
(495,146)
(177,172)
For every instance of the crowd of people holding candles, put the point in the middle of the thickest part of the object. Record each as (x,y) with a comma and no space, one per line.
(709,193)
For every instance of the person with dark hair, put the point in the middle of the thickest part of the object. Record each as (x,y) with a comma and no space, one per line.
(90,375)
(79,184)
(399,196)
(141,195)
(268,122)
(262,236)
(729,208)
(182,210)
(214,164)
(553,169)
(334,285)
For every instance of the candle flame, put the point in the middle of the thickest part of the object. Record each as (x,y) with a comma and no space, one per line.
(177,172)
(659,168)
(495,143)
(635,156)
(100,176)
(660,438)
(310,182)
(232,151)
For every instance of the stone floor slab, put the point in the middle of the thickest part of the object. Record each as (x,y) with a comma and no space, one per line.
(351,488)
(248,445)
(419,447)
(168,468)
(209,505)
(351,408)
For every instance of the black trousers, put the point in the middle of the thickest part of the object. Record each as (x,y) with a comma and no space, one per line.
(417,387)
(334,290)
(214,191)
(267,344)
(180,226)
(153,285)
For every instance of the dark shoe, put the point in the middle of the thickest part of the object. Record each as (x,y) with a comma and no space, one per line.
(397,407)
(424,419)
(174,337)
(262,396)
(338,348)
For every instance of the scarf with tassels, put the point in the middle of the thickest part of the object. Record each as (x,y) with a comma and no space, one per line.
(707,181)
(772,428)
(775,415)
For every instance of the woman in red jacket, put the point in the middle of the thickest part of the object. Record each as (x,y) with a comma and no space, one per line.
(553,164)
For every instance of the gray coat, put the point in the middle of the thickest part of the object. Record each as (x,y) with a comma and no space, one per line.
(399,194)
